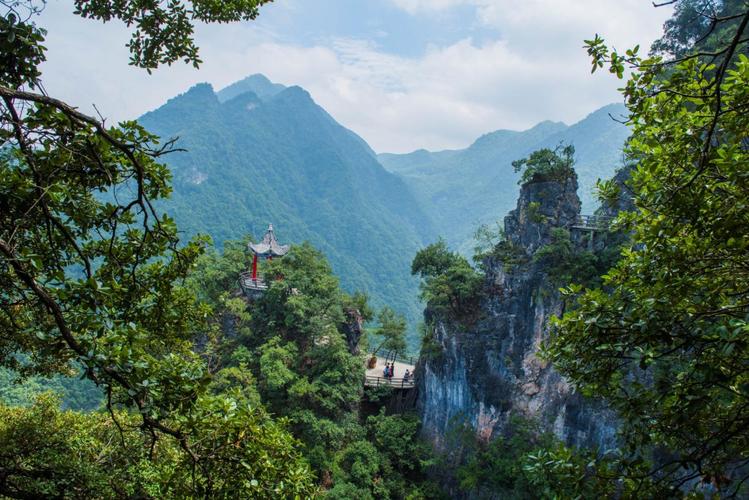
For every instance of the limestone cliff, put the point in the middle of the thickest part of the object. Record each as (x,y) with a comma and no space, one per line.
(482,373)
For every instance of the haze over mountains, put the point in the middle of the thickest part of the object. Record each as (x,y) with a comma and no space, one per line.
(259,152)
(282,159)
(461,189)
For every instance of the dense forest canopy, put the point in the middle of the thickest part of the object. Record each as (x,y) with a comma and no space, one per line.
(92,279)
(282,159)
(664,339)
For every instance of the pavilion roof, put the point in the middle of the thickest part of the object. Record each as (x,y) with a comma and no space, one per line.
(269,246)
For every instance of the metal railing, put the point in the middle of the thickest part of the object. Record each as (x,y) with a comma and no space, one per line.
(400,358)
(401,383)
(598,222)
(247,283)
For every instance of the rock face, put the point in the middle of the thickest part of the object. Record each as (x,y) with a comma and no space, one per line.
(352,328)
(482,374)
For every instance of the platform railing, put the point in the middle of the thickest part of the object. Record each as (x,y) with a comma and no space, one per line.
(376,381)
(248,283)
(400,358)
(600,222)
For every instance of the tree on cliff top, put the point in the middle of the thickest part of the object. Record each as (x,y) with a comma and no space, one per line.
(666,342)
(91,275)
(547,164)
(449,284)
(391,332)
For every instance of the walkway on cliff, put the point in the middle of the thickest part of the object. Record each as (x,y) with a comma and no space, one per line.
(374,376)
(592,222)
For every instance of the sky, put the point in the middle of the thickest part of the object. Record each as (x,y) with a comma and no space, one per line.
(403,74)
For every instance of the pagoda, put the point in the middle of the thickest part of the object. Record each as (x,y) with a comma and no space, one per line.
(267,248)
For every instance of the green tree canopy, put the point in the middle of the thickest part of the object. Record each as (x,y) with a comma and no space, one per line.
(391,332)
(92,276)
(547,164)
(163,31)
(704,26)
(665,340)
(290,346)
(449,283)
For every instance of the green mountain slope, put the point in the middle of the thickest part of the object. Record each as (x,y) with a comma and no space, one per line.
(282,159)
(461,189)
(257,84)
(259,152)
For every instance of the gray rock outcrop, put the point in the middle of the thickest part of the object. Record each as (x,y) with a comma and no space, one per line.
(481,374)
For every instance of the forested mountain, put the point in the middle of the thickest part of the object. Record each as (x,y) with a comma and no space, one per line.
(461,189)
(259,153)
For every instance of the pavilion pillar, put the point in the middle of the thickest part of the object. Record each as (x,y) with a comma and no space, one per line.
(254,267)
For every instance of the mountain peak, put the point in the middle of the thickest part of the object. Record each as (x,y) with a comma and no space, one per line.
(257,84)
(548,126)
(199,96)
(615,111)
(294,93)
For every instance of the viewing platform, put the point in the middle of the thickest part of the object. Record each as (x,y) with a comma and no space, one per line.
(250,284)
(375,376)
(592,222)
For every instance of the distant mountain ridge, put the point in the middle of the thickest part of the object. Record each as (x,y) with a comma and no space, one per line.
(283,159)
(257,84)
(463,188)
(261,152)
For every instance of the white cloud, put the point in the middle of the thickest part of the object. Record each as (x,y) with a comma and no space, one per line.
(416,6)
(534,70)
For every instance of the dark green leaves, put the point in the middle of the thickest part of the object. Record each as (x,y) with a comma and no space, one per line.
(664,343)
(164,31)
(547,164)
(21,52)
(449,283)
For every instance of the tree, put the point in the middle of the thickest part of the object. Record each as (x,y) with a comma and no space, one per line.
(92,276)
(449,283)
(700,26)
(392,331)
(665,341)
(163,32)
(46,452)
(547,164)
(287,351)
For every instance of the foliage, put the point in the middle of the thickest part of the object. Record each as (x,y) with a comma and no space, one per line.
(487,238)
(547,165)
(558,471)
(666,344)
(392,331)
(92,277)
(449,284)
(509,254)
(283,160)
(534,213)
(497,466)
(163,32)
(700,26)
(430,348)
(75,392)
(387,465)
(46,452)
(608,192)
(565,263)
(291,341)
(524,462)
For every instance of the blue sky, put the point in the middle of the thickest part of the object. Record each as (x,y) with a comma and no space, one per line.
(392,28)
(403,74)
